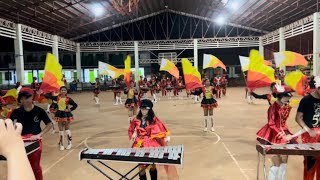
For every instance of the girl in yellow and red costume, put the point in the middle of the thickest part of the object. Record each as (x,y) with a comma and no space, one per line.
(150,132)
(208,103)
(131,102)
(63,115)
(276,131)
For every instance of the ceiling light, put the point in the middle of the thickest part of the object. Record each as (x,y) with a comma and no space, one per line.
(220,20)
(98,10)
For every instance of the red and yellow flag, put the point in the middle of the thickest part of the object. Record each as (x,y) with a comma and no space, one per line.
(127,72)
(167,65)
(192,77)
(212,61)
(259,75)
(296,80)
(289,58)
(52,79)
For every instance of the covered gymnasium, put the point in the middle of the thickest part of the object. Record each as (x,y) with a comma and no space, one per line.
(80,33)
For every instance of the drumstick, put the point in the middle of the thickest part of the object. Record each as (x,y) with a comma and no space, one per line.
(298,133)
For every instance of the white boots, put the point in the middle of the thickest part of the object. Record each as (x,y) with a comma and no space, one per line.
(206,119)
(61,143)
(118,100)
(154,98)
(96,99)
(278,173)
(196,99)
(68,132)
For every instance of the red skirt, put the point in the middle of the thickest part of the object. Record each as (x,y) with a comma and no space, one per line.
(267,136)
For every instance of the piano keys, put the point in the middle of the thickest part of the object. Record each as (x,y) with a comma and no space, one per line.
(29,146)
(160,155)
(290,149)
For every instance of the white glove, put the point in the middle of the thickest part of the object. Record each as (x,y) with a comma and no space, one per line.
(134,135)
(167,139)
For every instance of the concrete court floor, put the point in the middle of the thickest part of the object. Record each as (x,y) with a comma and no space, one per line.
(228,154)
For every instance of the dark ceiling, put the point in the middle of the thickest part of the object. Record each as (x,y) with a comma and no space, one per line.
(72,18)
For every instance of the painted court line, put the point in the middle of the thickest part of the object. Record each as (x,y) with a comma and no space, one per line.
(62,158)
(236,162)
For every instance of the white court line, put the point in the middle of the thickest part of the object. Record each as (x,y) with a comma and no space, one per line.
(59,160)
(219,138)
(236,162)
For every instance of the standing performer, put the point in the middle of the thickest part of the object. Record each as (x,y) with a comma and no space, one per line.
(174,85)
(180,86)
(117,91)
(276,132)
(153,84)
(224,84)
(308,118)
(96,90)
(164,85)
(151,132)
(30,116)
(63,115)
(169,88)
(208,103)
(158,90)
(131,102)
(217,82)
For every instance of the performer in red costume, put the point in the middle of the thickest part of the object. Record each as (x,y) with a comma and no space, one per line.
(308,118)
(169,88)
(153,88)
(224,84)
(30,116)
(150,132)
(276,131)
(164,85)
(208,103)
(217,82)
(180,86)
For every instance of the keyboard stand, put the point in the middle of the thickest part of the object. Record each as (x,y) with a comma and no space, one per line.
(125,176)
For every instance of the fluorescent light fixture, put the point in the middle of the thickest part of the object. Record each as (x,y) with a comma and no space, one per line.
(220,20)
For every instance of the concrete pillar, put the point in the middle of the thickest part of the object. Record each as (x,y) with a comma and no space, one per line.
(136,63)
(195,53)
(18,49)
(55,50)
(316,44)
(282,45)
(261,48)
(78,63)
